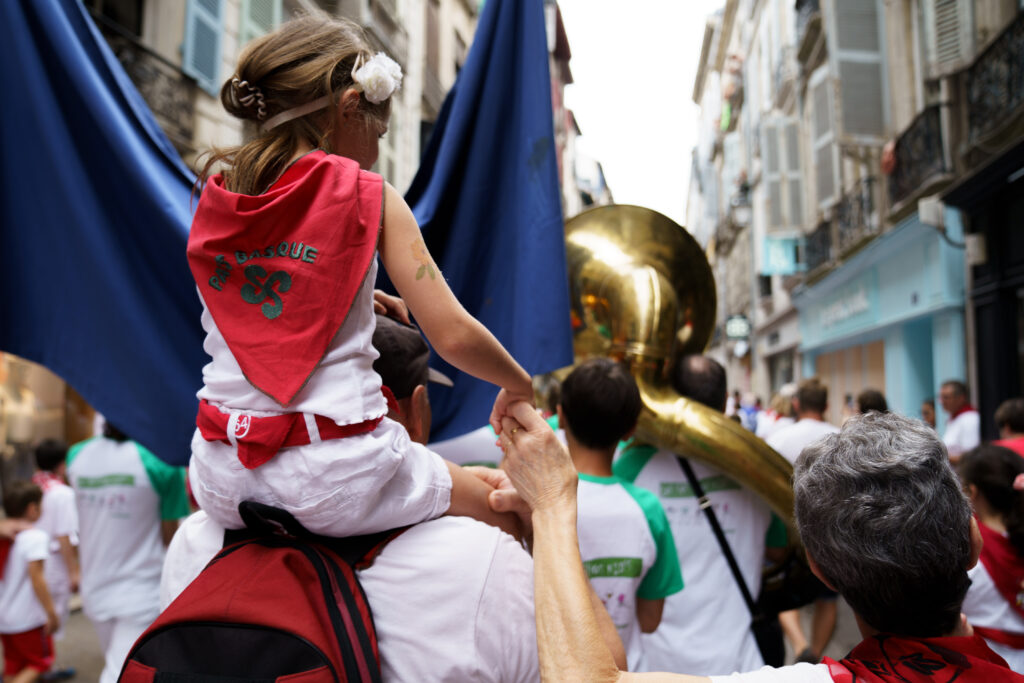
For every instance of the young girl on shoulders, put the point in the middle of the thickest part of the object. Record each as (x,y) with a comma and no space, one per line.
(283,249)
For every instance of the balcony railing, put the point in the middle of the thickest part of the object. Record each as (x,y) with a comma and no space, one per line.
(855,214)
(920,157)
(995,83)
(169,93)
(818,247)
(808,26)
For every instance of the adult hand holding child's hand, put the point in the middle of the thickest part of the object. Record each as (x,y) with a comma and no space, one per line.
(535,460)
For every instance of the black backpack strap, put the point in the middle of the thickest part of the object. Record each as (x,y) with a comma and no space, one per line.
(709,512)
(263,520)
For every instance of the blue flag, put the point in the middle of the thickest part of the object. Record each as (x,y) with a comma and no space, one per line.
(488,200)
(95,219)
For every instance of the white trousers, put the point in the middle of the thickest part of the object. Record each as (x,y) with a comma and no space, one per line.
(116,638)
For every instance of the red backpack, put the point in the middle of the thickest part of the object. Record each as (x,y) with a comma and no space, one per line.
(270,606)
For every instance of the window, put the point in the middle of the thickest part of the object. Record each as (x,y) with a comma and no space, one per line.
(259,17)
(824,155)
(949,34)
(859,63)
(127,14)
(781,172)
(434,37)
(201,53)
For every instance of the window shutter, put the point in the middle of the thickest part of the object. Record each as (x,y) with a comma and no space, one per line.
(201,53)
(794,190)
(826,164)
(259,17)
(859,67)
(949,34)
(730,162)
(772,173)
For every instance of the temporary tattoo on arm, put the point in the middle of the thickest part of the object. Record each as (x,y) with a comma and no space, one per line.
(422,256)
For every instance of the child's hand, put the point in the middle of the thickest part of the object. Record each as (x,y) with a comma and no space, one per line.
(504,400)
(391,306)
(52,623)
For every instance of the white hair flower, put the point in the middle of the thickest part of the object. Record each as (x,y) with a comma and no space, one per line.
(379,77)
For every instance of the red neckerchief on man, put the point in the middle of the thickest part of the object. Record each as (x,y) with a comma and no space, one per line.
(886,658)
(46,480)
(279,271)
(965,408)
(1015,444)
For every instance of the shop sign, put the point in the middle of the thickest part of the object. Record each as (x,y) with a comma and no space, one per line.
(737,327)
(845,308)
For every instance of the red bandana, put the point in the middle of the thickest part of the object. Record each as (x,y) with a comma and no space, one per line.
(46,480)
(5,550)
(965,408)
(890,659)
(1004,565)
(279,271)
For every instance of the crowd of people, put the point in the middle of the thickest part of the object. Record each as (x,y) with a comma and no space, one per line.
(584,556)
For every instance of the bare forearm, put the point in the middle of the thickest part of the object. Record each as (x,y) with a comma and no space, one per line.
(41,590)
(569,639)
(466,344)
(67,551)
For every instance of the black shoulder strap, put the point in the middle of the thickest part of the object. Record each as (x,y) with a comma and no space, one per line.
(709,512)
(262,521)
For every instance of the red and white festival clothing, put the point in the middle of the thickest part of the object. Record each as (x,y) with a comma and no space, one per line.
(286,281)
(995,601)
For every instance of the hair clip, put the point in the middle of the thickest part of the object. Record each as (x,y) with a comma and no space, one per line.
(253,98)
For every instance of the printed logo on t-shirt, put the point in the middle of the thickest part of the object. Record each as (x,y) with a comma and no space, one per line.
(630,567)
(108,480)
(681,489)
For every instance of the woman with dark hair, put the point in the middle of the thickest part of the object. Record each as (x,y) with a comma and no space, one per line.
(993,477)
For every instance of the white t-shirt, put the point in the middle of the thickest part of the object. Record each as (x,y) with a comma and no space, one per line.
(768,425)
(963,432)
(790,441)
(797,673)
(20,609)
(627,550)
(452,599)
(985,606)
(478,447)
(123,492)
(59,518)
(709,614)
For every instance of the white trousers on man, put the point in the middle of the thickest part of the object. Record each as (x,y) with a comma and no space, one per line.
(117,636)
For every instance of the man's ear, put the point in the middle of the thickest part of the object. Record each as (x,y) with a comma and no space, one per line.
(817,571)
(417,423)
(976,543)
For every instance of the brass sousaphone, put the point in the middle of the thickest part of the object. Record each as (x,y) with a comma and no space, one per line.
(641,291)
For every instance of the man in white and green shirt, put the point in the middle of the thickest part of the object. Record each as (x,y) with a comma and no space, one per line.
(129,503)
(706,627)
(625,540)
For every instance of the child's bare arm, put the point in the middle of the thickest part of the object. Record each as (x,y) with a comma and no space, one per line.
(35,574)
(469,499)
(648,613)
(456,335)
(70,555)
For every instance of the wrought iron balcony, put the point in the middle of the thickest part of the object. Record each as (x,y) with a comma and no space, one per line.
(169,93)
(920,158)
(855,214)
(808,26)
(995,83)
(818,247)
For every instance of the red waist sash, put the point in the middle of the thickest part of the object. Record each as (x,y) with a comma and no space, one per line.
(260,438)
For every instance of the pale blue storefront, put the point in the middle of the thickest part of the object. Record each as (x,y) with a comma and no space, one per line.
(905,288)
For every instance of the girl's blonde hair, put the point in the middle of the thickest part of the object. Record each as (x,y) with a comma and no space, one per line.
(307,58)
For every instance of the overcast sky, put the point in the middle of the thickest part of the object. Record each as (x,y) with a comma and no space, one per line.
(633,65)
